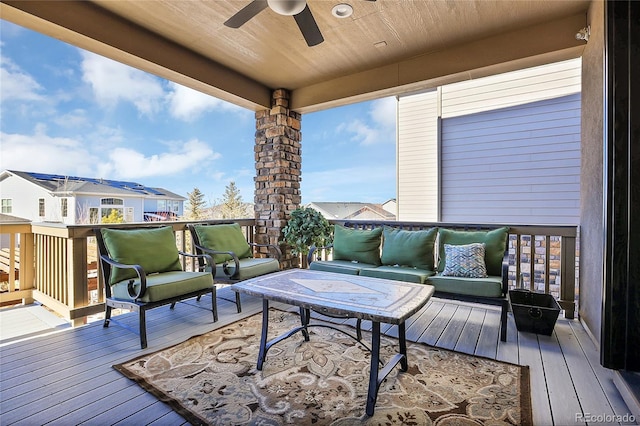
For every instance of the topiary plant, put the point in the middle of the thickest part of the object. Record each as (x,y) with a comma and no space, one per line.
(305,228)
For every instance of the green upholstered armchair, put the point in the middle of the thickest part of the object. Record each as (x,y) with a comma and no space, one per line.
(231,253)
(141,270)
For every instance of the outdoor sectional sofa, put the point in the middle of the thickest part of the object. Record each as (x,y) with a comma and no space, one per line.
(462,265)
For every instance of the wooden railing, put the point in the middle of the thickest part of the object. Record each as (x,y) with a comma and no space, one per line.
(54,261)
(54,264)
(542,258)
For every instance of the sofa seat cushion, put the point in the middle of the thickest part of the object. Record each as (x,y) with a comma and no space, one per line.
(495,242)
(154,249)
(490,286)
(339,266)
(249,267)
(398,273)
(357,244)
(165,285)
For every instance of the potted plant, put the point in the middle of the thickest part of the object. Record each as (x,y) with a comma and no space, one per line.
(306,227)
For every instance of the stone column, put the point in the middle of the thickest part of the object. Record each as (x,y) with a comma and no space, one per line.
(278,160)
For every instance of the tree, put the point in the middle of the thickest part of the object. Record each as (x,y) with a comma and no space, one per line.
(232,206)
(195,205)
(115,216)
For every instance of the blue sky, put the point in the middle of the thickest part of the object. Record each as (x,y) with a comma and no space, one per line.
(71,112)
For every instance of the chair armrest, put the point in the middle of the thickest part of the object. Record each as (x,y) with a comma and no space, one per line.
(275,248)
(224,265)
(312,251)
(139,271)
(206,258)
(505,273)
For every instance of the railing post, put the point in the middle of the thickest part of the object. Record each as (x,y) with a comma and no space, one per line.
(77,276)
(568,277)
(27,264)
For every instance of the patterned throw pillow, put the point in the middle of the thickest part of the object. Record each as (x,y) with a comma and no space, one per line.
(465,261)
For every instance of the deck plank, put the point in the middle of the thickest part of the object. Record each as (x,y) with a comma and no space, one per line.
(66,377)
(561,393)
(530,355)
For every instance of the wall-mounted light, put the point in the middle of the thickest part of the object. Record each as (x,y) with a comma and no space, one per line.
(584,33)
(342,10)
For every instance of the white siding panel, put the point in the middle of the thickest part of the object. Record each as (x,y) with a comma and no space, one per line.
(510,89)
(417,155)
(513,165)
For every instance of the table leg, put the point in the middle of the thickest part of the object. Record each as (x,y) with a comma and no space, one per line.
(305,317)
(402,337)
(372,395)
(263,338)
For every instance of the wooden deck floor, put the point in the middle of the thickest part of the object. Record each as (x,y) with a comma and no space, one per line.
(66,377)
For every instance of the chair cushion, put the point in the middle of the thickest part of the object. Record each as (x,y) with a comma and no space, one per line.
(465,261)
(490,286)
(154,249)
(166,285)
(398,273)
(249,267)
(495,242)
(357,244)
(339,266)
(408,248)
(223,237)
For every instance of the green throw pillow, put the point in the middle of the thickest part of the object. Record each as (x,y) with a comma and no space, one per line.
(495,242)
(408,248)
(154,249)
(224,237)
(357,244)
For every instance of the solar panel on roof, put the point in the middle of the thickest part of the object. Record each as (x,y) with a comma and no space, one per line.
(128,186)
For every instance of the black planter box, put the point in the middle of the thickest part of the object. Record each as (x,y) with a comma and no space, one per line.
(534,312)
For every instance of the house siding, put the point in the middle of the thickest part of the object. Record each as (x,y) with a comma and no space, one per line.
(508,149)
(418,157)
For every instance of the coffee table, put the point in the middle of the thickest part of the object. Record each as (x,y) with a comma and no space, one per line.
(351,296)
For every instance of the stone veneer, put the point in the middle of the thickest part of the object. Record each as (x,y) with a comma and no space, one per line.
(278,171)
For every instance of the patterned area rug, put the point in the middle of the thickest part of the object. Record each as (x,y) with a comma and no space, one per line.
(212,379)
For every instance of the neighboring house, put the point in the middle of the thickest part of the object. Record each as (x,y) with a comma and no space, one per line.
(70,200)
(355,210)
(499,149)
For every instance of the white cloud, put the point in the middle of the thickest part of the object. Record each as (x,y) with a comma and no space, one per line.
(113,82)
(383,112)
(380,129)
(188,104)
(16,84)
(45,154)
(126,163)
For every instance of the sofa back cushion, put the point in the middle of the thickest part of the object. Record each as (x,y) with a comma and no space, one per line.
(223,237)
(154,249)
(495,242)
(408,248)
(358,245)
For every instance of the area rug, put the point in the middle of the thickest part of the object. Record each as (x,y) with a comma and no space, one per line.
(212,379)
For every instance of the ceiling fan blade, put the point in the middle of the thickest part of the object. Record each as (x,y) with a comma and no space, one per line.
(308,27)
(246,13)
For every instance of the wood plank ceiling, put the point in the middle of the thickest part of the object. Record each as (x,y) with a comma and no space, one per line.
(386,47)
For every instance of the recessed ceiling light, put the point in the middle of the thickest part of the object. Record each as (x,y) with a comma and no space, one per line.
(342,10)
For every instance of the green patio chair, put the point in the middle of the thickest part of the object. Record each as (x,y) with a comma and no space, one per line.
(232,254)
(141,270)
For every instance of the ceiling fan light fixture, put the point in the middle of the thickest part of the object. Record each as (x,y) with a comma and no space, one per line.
(287,7)
(342,10)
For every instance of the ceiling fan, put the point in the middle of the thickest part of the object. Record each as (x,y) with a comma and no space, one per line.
(296,8)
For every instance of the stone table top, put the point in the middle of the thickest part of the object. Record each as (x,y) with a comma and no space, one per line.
(374,299)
